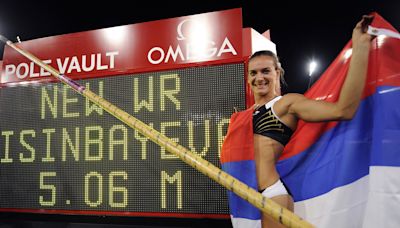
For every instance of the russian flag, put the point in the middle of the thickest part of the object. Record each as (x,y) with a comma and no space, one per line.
(341,174)
(237,159)
(347,173)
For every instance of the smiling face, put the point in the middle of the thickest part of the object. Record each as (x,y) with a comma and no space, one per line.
(263,77)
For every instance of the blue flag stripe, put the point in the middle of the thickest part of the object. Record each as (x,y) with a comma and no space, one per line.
(345,153)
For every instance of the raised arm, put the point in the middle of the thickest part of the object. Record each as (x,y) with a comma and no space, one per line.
(350,94)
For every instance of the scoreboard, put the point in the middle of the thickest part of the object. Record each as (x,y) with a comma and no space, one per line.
(60,151)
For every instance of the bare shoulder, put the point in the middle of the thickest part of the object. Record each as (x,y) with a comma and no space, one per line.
(285,104)
(291,98)
(282,106)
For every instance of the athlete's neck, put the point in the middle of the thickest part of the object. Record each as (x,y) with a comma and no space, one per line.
(264,99)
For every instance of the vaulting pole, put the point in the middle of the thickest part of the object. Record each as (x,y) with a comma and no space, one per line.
(266,205)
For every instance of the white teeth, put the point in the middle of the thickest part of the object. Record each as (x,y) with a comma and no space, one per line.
(260,83)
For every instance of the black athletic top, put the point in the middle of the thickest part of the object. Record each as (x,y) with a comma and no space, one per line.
(266,123)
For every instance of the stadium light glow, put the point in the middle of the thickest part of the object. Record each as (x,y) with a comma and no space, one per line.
(311,67)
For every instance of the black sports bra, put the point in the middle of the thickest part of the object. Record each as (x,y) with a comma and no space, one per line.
(266,123)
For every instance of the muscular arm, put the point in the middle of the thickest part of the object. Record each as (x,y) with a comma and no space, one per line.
(350,94)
